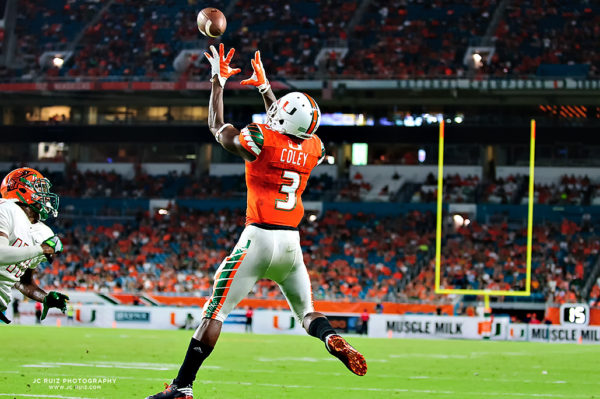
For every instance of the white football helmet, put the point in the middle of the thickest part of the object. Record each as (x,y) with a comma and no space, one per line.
(296,114)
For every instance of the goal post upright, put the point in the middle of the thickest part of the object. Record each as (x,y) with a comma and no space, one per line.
(438,222)
(438,233)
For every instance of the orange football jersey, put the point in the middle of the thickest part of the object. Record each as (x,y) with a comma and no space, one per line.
(277,177)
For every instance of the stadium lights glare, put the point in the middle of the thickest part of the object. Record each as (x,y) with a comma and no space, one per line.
(477,60)
(163,211)
(58,62)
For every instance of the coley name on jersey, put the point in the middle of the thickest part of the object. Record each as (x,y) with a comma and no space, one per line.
(293,157)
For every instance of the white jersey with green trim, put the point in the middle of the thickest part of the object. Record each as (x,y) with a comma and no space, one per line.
(21,232)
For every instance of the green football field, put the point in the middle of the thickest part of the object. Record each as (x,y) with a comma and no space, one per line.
(49,362)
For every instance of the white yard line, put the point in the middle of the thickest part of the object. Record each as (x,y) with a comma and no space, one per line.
(398,377)
(111,365)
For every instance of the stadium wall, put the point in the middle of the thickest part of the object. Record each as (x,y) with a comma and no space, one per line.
(283,322)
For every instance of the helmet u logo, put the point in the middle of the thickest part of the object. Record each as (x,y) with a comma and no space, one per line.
(289,112)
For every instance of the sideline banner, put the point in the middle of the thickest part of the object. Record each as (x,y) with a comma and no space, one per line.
(144,317)
(424,326)
(554,333)
(284,322)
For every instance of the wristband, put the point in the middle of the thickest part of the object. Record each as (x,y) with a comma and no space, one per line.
(263,88)
(218,133)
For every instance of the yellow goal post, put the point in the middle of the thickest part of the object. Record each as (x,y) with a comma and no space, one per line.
(438,233)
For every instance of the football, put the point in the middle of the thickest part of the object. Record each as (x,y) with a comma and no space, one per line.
(211,22)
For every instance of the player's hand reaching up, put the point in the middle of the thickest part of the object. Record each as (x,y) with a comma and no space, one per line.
(258,78)
(220,64)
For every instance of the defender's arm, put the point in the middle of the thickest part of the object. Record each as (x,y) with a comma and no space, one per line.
(11,255)
(52,299)
(29,288)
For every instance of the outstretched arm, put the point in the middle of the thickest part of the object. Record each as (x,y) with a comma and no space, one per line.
(11,255)
(29,288)
(225,133)
(52,299)
(259,80)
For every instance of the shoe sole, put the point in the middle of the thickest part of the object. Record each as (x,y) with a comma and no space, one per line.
(352,358)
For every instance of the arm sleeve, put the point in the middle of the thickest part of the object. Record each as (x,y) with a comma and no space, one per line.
(322,158)
(5,223)
(36,261)
(252,139)
(11,255)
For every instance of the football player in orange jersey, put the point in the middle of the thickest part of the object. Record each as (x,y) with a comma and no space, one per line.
(279,155)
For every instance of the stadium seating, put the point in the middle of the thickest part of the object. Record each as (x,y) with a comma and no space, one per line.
(537,33)
(595,295)
(135,38)
(570,190)
(457,189)
(350,257)
(414,39)
(384,186)
(391,39)
(505,190)
(48,25)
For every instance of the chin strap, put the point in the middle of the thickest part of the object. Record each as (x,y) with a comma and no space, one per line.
(43,215)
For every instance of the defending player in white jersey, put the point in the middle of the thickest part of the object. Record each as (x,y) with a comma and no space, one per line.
(25,241)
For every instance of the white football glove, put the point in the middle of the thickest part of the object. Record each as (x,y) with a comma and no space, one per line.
(220,64)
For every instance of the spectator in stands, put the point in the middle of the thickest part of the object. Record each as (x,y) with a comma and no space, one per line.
(364,322)
(249,316)
(16,312)
(38,313)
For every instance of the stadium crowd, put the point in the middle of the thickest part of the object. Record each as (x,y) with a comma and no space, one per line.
(389,39)
(349,257)
(102,184)
(493,257)
(567,190)
(548,32)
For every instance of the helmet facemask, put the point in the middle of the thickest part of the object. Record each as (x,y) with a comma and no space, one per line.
(41,195)
(272,120)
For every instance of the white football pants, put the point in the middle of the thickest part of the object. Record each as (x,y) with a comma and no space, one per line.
(261,253)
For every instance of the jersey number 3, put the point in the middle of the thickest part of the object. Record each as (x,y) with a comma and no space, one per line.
(288,187)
